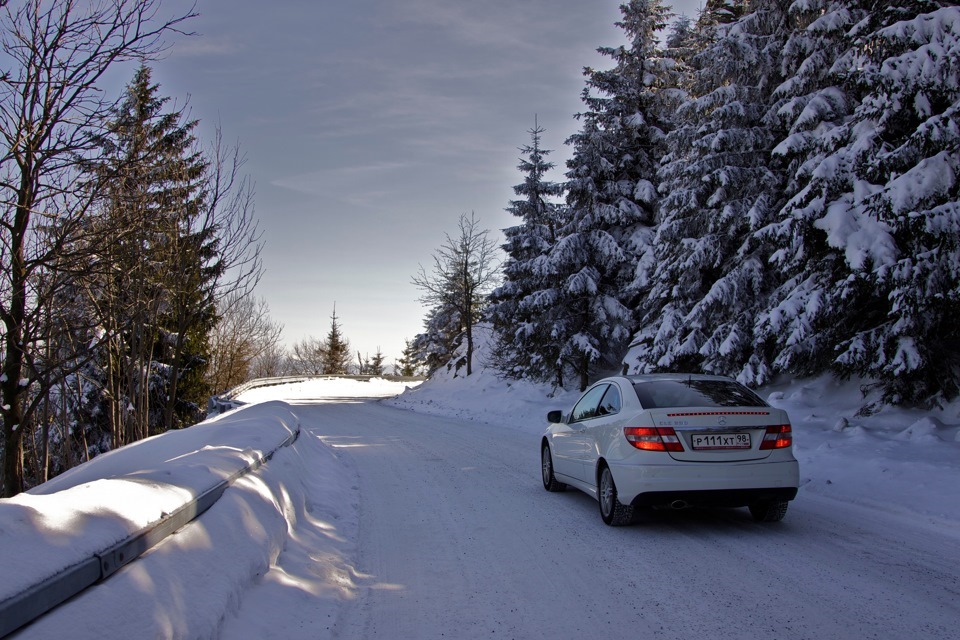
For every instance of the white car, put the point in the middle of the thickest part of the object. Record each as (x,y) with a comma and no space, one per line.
(672,441)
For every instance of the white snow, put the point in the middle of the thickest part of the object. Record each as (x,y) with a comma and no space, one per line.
(862,237)
(275,556)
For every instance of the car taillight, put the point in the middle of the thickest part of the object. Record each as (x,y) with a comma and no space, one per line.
(777,437)
(653,438)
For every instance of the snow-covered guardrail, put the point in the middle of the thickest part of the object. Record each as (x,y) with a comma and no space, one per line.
(59,538)
(228,399)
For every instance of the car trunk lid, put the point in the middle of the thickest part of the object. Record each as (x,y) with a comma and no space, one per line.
(716,434)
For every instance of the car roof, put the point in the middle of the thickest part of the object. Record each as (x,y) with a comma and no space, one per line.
(679,377)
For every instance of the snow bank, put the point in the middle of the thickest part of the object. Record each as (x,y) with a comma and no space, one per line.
(188,586)
(107,500)
(850,447)
(485,397)
(326,389)
(292,522)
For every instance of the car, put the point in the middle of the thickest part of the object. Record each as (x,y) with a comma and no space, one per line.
(672,441)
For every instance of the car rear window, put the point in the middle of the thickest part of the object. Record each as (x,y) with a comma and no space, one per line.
(655,394)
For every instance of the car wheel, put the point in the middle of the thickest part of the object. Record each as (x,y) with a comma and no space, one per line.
(550,483)
(769,511)
(612,511)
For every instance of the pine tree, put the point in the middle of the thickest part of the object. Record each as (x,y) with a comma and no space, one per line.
(611,195)
(195,268)
(724,11)
(821,291)
(408,363)
(910,157)
(717,189)
(435,346)
(154,299)
(336,348)
(866,242)
(375,366)
(681,34)
(524,344)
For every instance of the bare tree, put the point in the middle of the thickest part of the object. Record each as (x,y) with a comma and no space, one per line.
(55,53)
(465,271)
(244,338)
(230,213)
(271,362)
(309,357)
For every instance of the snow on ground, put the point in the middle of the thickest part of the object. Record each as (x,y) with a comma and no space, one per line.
(105,501)
(905,459)
(302,501)
(299,500)
(326,390)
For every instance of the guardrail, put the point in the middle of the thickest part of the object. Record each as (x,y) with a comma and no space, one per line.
(227,400)
(19,610)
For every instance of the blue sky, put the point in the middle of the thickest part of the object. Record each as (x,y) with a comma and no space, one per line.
(371,125)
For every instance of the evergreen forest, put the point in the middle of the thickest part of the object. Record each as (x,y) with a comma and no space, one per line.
(771,188)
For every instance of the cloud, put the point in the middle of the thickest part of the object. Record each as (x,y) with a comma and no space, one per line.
(338,180)
(534,27)
(204,46)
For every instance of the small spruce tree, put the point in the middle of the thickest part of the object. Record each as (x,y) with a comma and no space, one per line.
(525,345)
(336,352)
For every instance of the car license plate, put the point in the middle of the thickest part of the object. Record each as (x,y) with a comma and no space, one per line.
(707,441)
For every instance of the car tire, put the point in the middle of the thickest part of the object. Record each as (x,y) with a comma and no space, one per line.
(769,511)
(612,511)
(550,482)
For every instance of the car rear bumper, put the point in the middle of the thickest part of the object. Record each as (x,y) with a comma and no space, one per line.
(721,485)
(712,497)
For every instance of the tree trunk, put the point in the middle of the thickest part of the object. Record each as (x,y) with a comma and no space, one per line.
(14,355)
(67,431)
(11,408)
(468,310)
(584,373)
(175,364)
(469,345)
(43,464)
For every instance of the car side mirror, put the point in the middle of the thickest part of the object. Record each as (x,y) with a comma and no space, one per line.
(555,417)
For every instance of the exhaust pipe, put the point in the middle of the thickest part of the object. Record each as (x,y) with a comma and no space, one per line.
(679,504)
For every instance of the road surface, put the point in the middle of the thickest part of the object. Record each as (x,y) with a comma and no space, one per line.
(458,539)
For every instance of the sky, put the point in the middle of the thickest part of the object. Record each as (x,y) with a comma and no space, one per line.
(370,126)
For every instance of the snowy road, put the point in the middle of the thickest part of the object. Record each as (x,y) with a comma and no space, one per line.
(457,538)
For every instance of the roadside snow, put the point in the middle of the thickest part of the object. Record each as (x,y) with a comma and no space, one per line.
(187,585)
(294,522)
